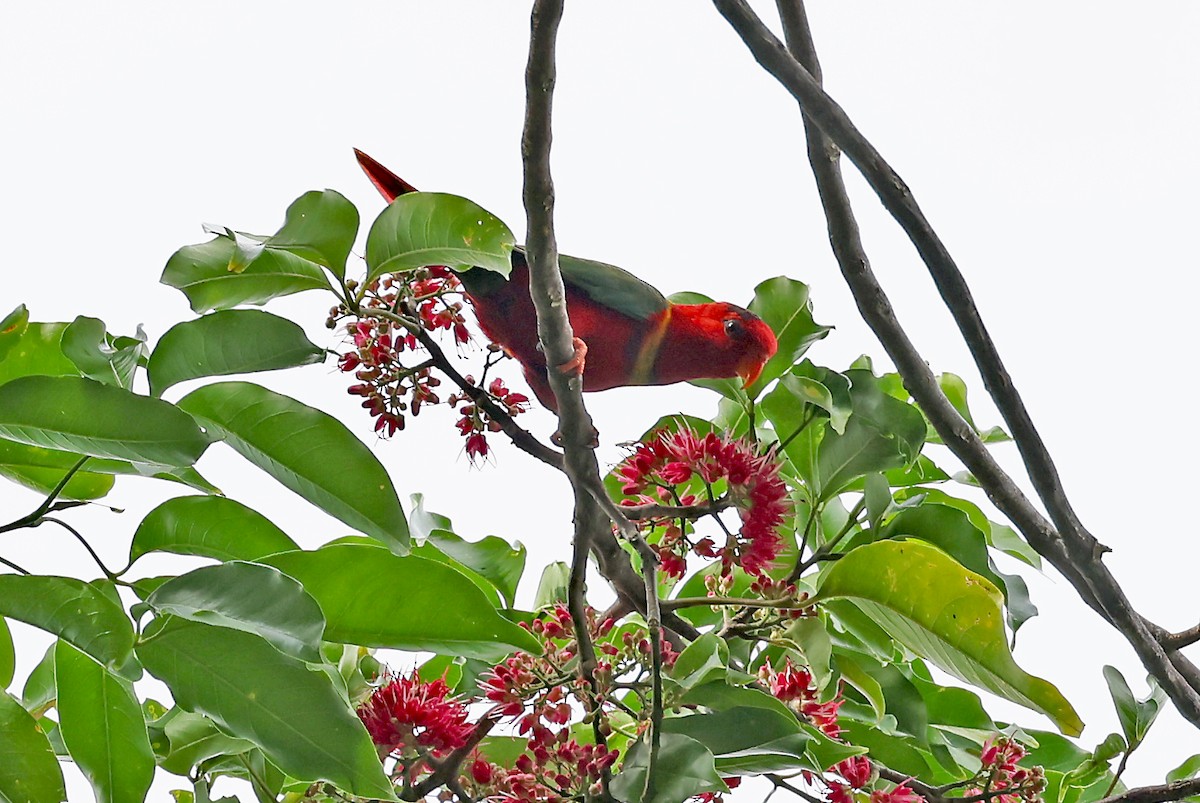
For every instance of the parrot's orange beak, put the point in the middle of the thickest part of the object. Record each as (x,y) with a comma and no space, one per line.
(750,371)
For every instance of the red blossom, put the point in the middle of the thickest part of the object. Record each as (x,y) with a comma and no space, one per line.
(754,485)
(794,686)
(407,713)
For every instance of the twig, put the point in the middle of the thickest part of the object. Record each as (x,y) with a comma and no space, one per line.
(79,537)
(447,769)
(695,602)
(1076,556)
(780,783)
(48,503)
(653,510)
(13,566)
(1184,638)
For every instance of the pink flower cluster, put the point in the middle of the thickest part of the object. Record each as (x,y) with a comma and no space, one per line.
(432,298)
(475,423)
(410,719)
(999,772)
(670,459)
(794,686)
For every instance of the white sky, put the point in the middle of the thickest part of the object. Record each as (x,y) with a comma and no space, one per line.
(1051,146)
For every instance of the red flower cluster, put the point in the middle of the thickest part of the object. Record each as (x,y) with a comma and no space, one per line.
(999,773)
(430,298)
(409,718)
(794,686)
(384,380)
(671,459)
(475,422)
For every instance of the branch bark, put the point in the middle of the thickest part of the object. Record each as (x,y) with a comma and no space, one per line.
(1077,555)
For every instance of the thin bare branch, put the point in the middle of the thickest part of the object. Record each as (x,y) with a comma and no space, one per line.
(1078,555)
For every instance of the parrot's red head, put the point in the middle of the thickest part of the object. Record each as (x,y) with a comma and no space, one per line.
(716,340)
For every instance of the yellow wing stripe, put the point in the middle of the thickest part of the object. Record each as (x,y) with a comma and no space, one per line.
(643,366)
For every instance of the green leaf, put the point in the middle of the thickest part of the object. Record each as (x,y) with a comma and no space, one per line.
(39,692)
(308,451)
(320,227)
(208,526)
(1185,771)
(492,558)
(552,586)
(29,770)
(1136,716)
(683,768)
(999,536)
(85,416)
(100,356)
(12,327)
(228,342)
(37,351)
(208,274)
(734,730)
(429,606)
(8,656)
(193,738)
(784,305)
(431,228)
(102,726)
(945,613)
(249,597)
(41,470)
(422,522)
(952,530)
(704,660)
(253,691)
(75,611)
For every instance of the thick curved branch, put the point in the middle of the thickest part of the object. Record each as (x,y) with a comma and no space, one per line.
(1077,555)
(1156,794)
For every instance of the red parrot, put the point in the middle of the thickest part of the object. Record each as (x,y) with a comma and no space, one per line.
(631,334)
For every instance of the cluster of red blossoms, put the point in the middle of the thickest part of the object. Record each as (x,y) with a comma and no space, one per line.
(390,389)
(659,465)
(416,723)
(794,685)
(411,720)
(999,773)
(475,423)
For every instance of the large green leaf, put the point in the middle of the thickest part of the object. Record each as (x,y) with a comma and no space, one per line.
(250,597)
(37,351)
(951,530)
(102,726)
(75,611)
(374,598)
(952,616)
(29,770)
(208,275)
(735,729)
(39,692)
(253,691)
(431,228)
(307,450)
(492,558)
(683,768)
(228,342)
(99,355)
(320,227)
(42,469)
(784,305)
(82,415)
(209,526)
(8,656)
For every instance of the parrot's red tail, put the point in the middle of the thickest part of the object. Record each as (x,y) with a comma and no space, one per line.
(390,185)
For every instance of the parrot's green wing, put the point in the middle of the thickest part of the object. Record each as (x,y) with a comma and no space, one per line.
(609,286)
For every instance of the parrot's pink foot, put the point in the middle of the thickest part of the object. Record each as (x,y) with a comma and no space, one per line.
(577,362)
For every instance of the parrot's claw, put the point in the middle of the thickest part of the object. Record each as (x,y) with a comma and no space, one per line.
(576,364)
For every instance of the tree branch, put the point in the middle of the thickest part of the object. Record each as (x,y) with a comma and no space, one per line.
(1156,794)
(1077,556)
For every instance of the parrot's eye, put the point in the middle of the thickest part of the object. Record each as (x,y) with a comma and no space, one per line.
(734,328)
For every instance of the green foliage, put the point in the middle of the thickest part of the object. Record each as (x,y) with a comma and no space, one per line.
(429,228)
(306,450)
(268,651)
